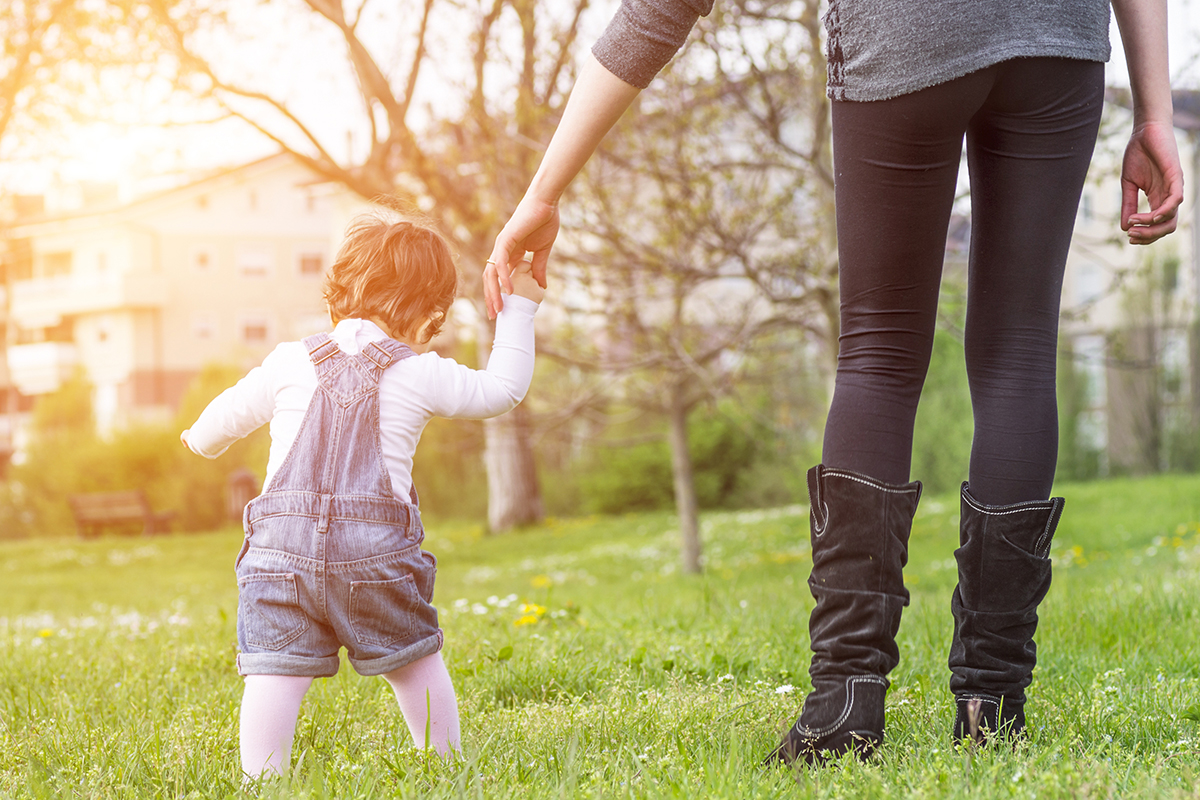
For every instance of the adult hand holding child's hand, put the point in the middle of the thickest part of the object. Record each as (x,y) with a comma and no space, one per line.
(524,284)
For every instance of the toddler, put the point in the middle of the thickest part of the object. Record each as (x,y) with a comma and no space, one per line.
(332,554)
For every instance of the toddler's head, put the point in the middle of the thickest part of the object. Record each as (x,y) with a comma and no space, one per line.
(395,271)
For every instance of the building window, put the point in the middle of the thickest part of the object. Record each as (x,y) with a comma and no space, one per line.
(54,264)
(1090,283)
(255,330)
(254,262)
(311,264)
(63,332)
(203,260)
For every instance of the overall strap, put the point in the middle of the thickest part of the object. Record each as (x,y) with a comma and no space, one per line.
(321,347)
(385,352)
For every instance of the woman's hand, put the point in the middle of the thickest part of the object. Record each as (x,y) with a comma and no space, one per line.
(1151,165)
(532,229)
(596,103)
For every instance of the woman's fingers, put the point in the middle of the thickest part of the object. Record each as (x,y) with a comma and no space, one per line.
(497,280)
(1146,234)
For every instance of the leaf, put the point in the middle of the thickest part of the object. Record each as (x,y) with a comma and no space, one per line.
(504,653)
(1192,712)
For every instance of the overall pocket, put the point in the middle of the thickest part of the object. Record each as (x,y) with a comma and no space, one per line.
(269,604)
(383,612)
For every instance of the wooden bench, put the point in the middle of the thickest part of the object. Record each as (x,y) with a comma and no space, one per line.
(98,510)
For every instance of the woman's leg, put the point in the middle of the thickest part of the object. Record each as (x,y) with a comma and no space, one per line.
(1028,151)
(426,696)
(896,165)
(896,168)
(270,705)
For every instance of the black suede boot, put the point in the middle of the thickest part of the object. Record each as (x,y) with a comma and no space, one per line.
(1003,574)
(860,529)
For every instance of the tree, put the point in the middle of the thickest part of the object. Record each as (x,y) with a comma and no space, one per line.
(1150,424)
(36,37)
(709,223)
(465,158)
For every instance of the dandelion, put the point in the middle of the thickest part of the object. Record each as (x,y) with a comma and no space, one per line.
(528,619)
(542,581)
(533,608)
(45,633)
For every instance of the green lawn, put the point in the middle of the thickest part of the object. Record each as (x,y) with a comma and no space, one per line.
(626,678)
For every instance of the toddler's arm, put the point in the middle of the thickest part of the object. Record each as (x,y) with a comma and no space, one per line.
(459,391)
(237,412)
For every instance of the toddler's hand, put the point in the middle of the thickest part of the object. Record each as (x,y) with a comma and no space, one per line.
(183,437)
(524,284)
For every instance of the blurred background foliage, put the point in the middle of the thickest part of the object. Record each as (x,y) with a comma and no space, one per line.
(748,452)
(67,456)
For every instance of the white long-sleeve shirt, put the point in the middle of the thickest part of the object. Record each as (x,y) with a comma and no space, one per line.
(411,392)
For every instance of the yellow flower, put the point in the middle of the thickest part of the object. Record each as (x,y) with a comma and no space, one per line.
(45,633)
(528,619)
(533,608)
(541,581)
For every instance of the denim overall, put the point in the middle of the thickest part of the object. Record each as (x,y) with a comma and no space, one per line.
(332,558)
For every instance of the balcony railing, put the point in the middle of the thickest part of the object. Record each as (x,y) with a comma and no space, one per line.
(42,367)
(43,302)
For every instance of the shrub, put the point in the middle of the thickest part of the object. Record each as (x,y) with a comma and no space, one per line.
(617,478)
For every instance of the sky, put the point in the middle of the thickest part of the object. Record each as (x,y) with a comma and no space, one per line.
(142,157)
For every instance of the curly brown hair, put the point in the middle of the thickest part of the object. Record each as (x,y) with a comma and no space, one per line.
(398,271)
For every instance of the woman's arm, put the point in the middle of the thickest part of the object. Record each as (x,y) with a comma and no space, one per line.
(596,103)
(1151,163)
(640,39)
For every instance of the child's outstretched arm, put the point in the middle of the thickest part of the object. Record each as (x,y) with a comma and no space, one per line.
(459,391)
(237,412)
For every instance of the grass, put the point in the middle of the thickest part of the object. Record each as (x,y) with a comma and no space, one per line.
(624,678)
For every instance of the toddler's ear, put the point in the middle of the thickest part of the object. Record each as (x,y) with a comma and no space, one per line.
(430,327)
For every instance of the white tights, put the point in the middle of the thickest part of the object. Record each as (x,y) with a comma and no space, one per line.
(271,704)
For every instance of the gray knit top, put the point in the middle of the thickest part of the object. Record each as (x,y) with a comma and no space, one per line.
(878,49)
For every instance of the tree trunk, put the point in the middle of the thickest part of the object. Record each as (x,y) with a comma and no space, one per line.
(514,497)
(685,485)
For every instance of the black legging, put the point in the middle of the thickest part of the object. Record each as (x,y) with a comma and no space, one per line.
(1030,126)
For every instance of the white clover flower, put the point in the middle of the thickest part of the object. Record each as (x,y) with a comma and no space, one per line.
(787,688)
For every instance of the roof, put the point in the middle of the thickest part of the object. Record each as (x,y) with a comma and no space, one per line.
(194,187)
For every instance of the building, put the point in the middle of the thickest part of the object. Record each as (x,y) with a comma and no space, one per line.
(141,296)
(1130,313)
